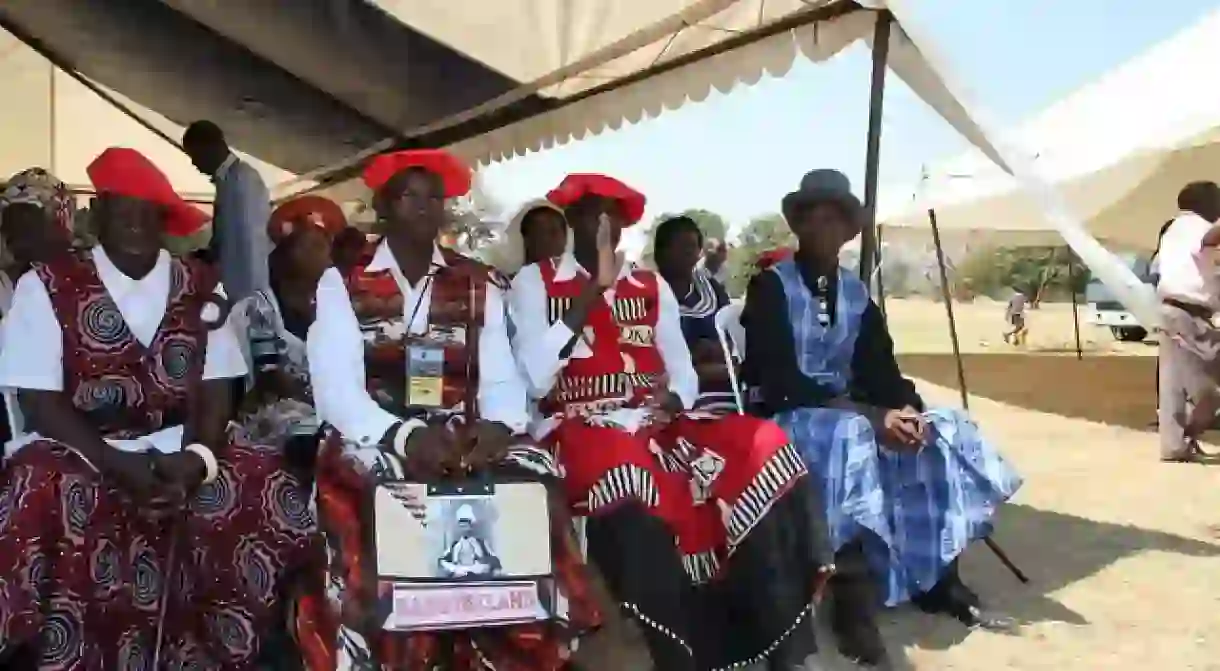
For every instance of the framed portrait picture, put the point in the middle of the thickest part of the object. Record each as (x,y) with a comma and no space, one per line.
(463,555)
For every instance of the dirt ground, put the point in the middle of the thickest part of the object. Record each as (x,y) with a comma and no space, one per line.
(1122,551)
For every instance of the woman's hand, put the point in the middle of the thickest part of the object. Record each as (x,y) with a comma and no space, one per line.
(180,473)
(135,473)
(489,444)
(609,261)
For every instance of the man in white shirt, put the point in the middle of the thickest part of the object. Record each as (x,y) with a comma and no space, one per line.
(422,388)
(1189,341)
(239,214)
(121,358)
(681,506)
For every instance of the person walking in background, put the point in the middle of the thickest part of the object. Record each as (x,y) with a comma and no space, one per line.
(1014,316)
(715,253)
(240,214)
(1189,341)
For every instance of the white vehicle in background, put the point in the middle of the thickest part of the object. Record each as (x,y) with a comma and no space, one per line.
(1104,310)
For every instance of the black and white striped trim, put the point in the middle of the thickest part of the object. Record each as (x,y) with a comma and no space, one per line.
(533,459)
(630,309)
(701,566)
(621,482)
(757,498)
(610,385)
(557,307)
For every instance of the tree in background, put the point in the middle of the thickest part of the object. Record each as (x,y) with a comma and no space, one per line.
(713,226)
(1038,272)
(762,234)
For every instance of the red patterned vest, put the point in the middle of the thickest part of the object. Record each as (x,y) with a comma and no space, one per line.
(625,361)
(459,292)
(125,388)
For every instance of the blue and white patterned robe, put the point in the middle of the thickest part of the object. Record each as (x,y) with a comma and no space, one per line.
(916,511)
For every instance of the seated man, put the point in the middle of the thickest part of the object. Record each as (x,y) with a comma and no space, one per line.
(701,525)
(677,244)
(914,487)
(134,533)
(386,427)
(469,556)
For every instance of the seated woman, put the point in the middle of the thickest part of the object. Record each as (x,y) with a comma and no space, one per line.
(677,245)
(701,525)
(134,533)
(536,232)
(278,410)
(908,487)
(473,418)
(36,212)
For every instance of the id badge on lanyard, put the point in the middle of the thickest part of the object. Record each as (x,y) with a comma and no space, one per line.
(425,374)
(426,366)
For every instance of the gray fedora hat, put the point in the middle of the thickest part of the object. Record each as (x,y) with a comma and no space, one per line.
(822,186)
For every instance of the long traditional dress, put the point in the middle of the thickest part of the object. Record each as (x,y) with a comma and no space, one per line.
(357,354)
(737,587)
(816,341)
(85,572)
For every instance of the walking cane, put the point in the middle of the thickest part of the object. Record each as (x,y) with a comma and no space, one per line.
(162,608)
(1003,557)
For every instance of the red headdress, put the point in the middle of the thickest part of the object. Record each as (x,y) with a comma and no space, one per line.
(127,172)
(576,186)
(772,257)
(310,209)
(454,174)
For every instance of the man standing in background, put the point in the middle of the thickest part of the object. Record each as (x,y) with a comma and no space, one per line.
(1014,315)
(1189,340)
(240,212)
(715,253)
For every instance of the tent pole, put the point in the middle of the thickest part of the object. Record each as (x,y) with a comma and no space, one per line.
(1075,302)
(872,157)
(948,298)
(880,277)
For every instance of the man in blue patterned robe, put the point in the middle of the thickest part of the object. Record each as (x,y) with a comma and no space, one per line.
(906,488)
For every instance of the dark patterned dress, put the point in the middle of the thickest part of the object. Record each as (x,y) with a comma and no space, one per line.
(87,575)
(347,473)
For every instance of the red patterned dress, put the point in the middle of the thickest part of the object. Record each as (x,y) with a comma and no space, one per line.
(86,576)
(725,489)
(347,473)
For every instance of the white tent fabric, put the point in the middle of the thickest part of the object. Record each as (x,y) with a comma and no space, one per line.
(564,48)
(51,120)
(1119,149)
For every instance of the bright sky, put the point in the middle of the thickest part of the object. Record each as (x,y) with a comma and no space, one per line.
(737,154)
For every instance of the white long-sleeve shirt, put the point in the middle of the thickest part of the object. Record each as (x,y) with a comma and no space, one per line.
(335,349)
(538,344)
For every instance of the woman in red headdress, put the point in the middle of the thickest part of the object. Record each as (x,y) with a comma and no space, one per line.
(134,532)
(702,524)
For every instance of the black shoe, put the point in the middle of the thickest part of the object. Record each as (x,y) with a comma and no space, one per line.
(854,623)
(951,597)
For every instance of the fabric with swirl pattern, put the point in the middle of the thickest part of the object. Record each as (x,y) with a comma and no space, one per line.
(83,567)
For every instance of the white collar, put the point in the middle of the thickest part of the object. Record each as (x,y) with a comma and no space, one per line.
(114,278)
(383,258)
(568,267)
(224,167)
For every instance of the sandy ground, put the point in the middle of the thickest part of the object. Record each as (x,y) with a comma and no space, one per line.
(1123,560)
(1122,551)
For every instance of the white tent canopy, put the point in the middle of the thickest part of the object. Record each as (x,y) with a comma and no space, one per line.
(568,50)
(1119,150)
(53,121)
